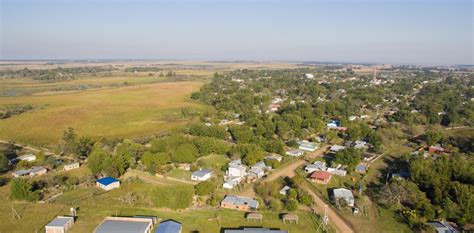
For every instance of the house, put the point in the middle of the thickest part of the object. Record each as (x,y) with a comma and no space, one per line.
(71,166)
(258,170)
(231,182)
(27,157)
(308,146)
(361,168)
(34,171)
(346,194)
(236,169)
(274,157)
(360,144)
(108,183)
(442,227)
(201,175)
(436,150)
(333,124)
(352,118)
(316,166)
(295,153)
(169,226)
(309,76)
(254,230)
(321,177)
(239,203)
(340,171)
(125,225)
(60,224)
(284,190)
(336,148)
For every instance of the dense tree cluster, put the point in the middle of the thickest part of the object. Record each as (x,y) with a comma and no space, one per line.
(7,111)
(60,73)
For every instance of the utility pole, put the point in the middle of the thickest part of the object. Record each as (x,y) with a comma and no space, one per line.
(324,220)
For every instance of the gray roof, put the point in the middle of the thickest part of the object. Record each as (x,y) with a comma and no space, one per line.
(255,230)
(201,173)
(237,200)
(169,226)
(343,193)
(122,226)
(60,221)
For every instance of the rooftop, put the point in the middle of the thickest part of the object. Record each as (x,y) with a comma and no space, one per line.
(201,173)
(255,230)
(107,180)
(60,221)
(169,226)
(124,225)
(238,200)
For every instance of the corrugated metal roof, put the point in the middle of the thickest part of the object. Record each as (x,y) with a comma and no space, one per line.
(107,180)
(169,226)
(60,221)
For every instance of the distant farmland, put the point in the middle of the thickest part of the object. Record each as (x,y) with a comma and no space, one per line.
(119,112)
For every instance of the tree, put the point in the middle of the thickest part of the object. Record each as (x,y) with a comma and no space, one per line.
(69,137)
(83,147)
(205,188)
(3,162)
(432,137)
(291,205)
(275,205)
(97,159)
(186,153)
(21,189)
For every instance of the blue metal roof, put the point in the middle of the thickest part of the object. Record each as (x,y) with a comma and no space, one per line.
(169,226)
(107,180)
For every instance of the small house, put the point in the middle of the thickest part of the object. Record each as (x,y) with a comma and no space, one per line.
(60,224)
(336,148)
(254,230)
(231,182)
(316,166)
(333,124)
(169,226)
(71,166)
(361,168)
(308,146)
(309,76)
(442,227)
(295,153)
(201,175)
(284,190)
(239,203)
(27,157)
(340,171)
(321,177)
(108,183)
(345,194)
(34,171)
(274,157)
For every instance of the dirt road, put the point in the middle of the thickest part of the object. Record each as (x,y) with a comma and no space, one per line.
(334,219)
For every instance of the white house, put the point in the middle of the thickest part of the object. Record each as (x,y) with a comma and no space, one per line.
(317,166)
(60,224)
(295,153)
(346,194)
(308,146)
(231,182)
(258,170)
(71,166)
(309,76)
(108,183)
(336,148)
(27,157)
(284,190)
(236,169)
(201,175)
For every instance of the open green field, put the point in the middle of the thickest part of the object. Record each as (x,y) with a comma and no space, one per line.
(92,210)
(118,112)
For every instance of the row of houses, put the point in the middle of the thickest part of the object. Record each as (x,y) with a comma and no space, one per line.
(39,170)
(135,224)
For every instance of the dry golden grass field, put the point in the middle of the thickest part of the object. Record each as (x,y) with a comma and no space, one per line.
(118,112)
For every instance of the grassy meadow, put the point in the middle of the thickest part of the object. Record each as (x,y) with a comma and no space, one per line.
(116,112)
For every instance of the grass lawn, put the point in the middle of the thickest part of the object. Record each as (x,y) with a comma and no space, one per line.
(121,112)
(180,174)
(93,208)
(213,161)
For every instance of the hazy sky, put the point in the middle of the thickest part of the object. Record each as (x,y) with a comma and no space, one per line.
(384,31)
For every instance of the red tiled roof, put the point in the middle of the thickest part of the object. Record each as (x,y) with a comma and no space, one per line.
(321,175)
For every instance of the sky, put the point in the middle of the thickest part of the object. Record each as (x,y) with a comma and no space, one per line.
(431,32)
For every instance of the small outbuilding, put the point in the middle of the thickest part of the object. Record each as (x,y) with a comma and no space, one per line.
(71,166)
(201,175)
(169,226)
(290,218)
(108,183)
(60,224)
(321,177)
(254,217)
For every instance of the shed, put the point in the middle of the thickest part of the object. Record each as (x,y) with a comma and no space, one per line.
(71,166)
(290,218)
(254,217)
(169,226)
(201,175)
(108,183)
(60,224)
(125,225)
